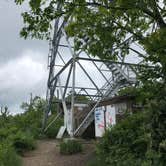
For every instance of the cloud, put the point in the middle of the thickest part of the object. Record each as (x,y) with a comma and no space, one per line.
(20,77)
(11,45)
(22,62)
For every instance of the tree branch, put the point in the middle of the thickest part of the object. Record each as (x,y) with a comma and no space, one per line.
(155,15)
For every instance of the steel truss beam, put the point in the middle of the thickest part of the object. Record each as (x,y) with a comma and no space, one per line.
(65,79)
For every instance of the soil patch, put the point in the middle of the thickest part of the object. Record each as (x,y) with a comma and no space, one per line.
(47,154)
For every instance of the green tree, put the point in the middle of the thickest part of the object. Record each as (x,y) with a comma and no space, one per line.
(4,112)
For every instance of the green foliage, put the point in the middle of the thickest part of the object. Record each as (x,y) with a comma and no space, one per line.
(20,130)
(101,27)
(22,142)
(38,20)
(4,113)
(8,156)
(158,127)
(162,150)
(30,121)
(54,106)
(77,97)
(158,123)
(7,131)
(154,44)
(70,147)
(127,91)
(126,143)
(141,94)
(52,131)
(137,140)
(96,162)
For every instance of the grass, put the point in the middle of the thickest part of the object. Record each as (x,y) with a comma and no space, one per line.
(70,147)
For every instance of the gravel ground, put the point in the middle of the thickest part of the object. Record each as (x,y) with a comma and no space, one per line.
(47,154)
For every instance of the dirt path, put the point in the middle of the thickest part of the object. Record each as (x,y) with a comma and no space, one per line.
(47,154)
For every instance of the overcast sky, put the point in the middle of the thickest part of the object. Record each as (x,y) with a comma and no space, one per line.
(23,63)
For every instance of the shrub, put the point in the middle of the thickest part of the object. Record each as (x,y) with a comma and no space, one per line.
(8,156)
(96,162)
(7,131)
(162,150)
(126,143)
(29,121)
(23,142)
(70,147)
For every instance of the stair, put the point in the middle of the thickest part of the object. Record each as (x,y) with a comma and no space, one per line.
(90,116)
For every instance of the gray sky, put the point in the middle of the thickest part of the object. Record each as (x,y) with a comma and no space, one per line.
(23,63)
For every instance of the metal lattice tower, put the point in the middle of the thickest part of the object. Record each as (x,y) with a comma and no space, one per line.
(76,72)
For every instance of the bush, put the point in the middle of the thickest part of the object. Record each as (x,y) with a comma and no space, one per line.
(8,156)
(29,121)
(96,162)
(126,143)
(52,131)
(6,132)
(70,147)
(23,142)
